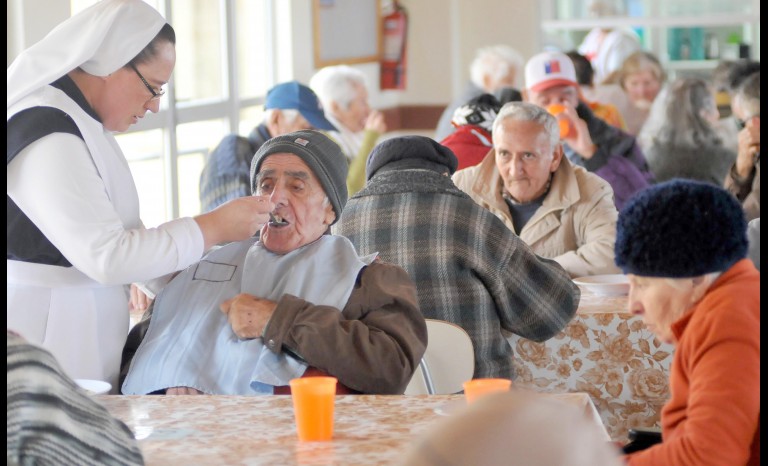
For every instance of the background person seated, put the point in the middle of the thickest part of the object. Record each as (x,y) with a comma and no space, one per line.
(474,122)
(494,70)
(344,94)
(562,212)
(682,245)
(53,421)
(743,179)
(685,143)
(613,155)
(288,107)
(514,428)
(252,315)
(468,267)
(585,76)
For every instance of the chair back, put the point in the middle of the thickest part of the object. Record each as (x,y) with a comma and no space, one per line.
(448,362)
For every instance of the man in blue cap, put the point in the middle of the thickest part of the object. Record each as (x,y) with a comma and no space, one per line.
(289,107)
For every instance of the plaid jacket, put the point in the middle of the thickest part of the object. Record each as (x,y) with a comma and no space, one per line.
(469,268)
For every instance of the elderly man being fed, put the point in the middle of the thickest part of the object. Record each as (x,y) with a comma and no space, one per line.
(296,301)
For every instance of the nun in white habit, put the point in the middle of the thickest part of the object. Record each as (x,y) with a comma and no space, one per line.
(75,238)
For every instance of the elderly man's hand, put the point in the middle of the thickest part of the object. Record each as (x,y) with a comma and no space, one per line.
(248,315)
(579,139)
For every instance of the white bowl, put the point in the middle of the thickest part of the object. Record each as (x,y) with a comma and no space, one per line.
(94,387)
(605,285)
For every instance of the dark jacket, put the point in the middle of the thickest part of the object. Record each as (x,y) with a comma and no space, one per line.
(618,159)
(227,171)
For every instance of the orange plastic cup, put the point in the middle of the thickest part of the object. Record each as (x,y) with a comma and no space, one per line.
(313,401)
(476,388)
(565,124)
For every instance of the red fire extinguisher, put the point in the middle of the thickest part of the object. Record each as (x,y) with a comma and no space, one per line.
(393,54)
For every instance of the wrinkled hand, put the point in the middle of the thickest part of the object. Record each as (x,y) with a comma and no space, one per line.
(579,138)
(375,122)
(749,147)
(182,391)
(139,300)
(235,220)
(248,315)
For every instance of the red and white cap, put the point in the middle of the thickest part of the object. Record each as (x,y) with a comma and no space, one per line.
(549,69)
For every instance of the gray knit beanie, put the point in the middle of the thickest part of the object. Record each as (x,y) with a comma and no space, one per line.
(411,152)
(320,153)
(680,229)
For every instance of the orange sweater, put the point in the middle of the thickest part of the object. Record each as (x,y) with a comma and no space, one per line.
(713,417)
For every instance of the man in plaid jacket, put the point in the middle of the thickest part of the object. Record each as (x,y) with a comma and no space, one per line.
(469,268)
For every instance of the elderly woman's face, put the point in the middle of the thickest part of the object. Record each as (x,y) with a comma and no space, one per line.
(300,203)
(126,99)
(660,303)
(642,88)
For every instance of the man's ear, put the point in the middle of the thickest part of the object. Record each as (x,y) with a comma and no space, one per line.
(273,122)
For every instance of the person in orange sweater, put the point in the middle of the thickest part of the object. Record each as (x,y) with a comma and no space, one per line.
(683,246)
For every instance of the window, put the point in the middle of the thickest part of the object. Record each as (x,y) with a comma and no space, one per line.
(224,55)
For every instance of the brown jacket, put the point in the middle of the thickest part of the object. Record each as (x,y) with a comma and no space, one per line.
(373,346)
(576,224)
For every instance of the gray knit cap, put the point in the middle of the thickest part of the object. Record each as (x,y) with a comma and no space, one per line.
(320,153)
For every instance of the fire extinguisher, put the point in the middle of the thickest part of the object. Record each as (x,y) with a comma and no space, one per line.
(393,67)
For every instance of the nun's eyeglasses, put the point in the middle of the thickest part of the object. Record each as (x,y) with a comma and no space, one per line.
(156,94)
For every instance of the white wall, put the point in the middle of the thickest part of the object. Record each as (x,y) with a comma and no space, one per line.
(442,38)
(28,21)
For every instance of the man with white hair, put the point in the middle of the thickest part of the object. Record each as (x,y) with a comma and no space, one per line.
(288,107)
(344,94)
(494,69)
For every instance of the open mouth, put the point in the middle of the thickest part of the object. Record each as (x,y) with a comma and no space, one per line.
(276,220)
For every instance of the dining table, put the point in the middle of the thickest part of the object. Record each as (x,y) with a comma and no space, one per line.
(607,352)
(252,430)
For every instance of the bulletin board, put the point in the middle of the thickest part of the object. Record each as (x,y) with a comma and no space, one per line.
(346,31)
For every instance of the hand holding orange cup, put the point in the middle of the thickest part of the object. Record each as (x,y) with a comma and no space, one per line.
(476,388)
(313,402)
(565,123)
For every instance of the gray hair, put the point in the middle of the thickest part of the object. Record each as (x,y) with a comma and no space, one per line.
(748,94)
(289,114)
(677,116)
(337,84)
(495,61)
(524,111)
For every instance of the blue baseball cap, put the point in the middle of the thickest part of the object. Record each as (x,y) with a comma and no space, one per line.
(296,96)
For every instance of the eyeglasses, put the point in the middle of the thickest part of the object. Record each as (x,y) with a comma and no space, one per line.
(156,95)
(742,123)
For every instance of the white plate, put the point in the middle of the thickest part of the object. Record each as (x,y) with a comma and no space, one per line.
(605,285)
(447,409)
(94,387)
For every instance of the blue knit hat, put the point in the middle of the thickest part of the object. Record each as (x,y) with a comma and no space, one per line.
(320,153)
(680,229)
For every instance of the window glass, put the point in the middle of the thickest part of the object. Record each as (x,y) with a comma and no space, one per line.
(250,118)
(200,57)
(190,167)
(143,150)
(195,140)
(253,70)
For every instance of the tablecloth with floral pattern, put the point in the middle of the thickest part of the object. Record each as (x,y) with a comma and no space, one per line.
(608,353)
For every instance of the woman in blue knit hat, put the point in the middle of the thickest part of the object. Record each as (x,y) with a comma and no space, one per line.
(683,246)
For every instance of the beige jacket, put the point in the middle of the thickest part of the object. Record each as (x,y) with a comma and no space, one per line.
(576,224)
